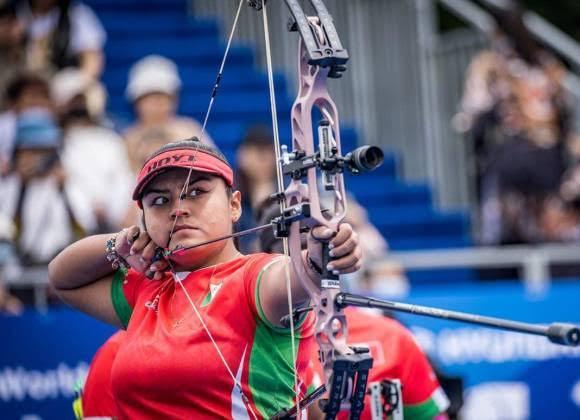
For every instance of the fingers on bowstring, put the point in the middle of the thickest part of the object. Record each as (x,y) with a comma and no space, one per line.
(131,234)
(158,265)
(149,252)
(139,243)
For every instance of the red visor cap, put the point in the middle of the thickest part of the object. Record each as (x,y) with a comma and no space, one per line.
(194,159)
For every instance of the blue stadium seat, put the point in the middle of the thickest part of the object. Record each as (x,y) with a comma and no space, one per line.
(186,52)
(196,79)
(117,28)
(441,277)
(430,242)
(155,5)
(390,191)
(402,211)
(437,224)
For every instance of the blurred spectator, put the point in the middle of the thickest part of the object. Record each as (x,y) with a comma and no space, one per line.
(26,91)
(373,244)
(560,221)
(150,141)
(514,107)
(94,157)
(256,176)
(11,45)
(9,304)
(153,90)
(62,33)
(35,199)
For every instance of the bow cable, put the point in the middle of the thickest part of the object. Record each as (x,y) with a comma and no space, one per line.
(280,179)
(176,278)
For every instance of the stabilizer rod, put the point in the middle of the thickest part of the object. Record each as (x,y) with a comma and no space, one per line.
(559,333)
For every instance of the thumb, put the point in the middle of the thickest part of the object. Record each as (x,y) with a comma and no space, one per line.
(321,233)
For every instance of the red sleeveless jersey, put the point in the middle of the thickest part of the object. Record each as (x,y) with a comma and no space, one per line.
(396,355)
(169,368)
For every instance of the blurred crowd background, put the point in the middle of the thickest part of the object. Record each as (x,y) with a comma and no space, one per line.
(81,109)
(68,157)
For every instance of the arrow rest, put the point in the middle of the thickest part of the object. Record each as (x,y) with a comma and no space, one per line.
(281,224)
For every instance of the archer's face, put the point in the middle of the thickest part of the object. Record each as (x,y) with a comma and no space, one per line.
(206,212)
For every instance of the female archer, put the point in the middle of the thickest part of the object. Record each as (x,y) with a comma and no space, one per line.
(204,337)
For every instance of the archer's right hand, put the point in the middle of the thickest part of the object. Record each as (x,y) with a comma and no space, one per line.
(141,253)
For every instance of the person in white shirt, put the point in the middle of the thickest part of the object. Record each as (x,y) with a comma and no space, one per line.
(60,34)
(46,216)
(94,156)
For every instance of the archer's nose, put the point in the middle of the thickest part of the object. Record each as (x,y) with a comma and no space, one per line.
(179,212)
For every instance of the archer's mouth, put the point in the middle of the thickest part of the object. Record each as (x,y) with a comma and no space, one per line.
(181,228)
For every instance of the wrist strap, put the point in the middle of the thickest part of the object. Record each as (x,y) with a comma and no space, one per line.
(116,260)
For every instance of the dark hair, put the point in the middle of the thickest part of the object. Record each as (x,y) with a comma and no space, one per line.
(259,136)
(510,21)
(7,9)
(61,56)
(192,143)
(20,83)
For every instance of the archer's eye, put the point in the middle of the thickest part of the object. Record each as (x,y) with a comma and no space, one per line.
(159,201)
(194,192)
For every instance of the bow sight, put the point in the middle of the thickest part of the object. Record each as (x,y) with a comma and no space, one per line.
(328,160)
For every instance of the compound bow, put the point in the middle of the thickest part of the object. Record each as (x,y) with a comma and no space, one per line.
(322,56)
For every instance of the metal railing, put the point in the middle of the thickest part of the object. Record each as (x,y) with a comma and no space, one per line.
(533,261)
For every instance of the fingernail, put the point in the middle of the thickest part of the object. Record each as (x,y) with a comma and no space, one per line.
(331,253)
(132,252)
(330,246)
(329,267)
(335,272)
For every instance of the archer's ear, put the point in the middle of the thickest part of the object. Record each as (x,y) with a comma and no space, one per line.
(236,206)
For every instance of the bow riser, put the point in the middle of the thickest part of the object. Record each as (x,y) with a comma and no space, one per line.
(314,94)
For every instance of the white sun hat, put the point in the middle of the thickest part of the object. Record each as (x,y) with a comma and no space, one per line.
(152,74)
(70,82)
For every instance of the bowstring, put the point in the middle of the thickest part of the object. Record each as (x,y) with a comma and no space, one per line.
(208,111)
(280,181)
(178,214)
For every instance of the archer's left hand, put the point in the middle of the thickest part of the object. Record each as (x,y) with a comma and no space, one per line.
(345,250)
